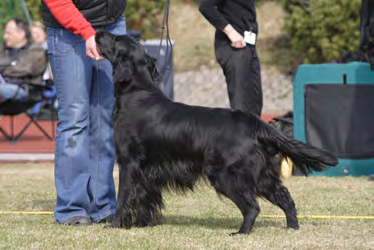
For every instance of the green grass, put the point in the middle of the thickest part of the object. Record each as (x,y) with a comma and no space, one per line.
(198,220)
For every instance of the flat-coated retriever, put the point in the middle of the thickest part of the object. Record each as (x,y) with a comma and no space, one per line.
(161,144)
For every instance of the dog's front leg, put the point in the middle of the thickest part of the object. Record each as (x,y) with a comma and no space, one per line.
(123,215)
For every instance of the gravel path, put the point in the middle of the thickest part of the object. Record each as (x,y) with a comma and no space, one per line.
(207,87)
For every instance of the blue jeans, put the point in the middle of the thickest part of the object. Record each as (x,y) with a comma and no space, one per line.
(12,91)
(84,151)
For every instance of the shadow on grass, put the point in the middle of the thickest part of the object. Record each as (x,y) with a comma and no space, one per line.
(42,205)
(219,223)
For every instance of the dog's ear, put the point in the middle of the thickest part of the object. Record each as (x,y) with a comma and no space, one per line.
(152,68)
(123,72)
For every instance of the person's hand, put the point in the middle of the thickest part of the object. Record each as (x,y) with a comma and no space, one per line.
(91,49)
(237,40)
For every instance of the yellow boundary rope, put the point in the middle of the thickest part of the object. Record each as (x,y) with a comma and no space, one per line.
(263,216)
(23,212)
(322,217)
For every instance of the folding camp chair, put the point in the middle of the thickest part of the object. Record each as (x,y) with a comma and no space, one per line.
(48,106)
(13,107)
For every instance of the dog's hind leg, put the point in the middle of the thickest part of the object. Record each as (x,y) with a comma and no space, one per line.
(243,196)
(271,188)
(249,208)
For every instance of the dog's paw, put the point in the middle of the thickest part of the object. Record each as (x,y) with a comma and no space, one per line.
(110,226)
(114,224)
(237,233)
(293,225)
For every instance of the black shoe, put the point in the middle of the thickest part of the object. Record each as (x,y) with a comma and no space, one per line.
(107,219)
(78,221)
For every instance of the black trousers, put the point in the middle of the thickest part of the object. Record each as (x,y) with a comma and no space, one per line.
(241,68)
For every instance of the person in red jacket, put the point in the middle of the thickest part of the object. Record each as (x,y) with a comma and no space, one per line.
(235,49)
(84,151)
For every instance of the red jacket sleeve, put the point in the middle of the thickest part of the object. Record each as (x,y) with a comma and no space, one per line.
(70,18)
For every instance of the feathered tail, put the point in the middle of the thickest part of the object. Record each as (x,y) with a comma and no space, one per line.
(305,157)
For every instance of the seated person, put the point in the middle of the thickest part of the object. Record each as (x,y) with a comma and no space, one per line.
(38,34)
(39,37)
(20,61)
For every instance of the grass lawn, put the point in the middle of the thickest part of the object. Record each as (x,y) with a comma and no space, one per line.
(196,220)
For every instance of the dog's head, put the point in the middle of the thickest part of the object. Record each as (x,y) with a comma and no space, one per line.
(127,57)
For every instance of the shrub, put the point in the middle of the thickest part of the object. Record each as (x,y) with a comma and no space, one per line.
(320,30)
(145,16)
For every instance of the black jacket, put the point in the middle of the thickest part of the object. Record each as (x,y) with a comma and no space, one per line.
(241,14)
(367,30)
(366,23)
(25,65)
(98,12)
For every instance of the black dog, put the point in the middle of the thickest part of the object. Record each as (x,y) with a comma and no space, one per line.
(165,145)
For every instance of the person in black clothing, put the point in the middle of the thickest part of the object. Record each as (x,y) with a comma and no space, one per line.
(235,49)
(367,35)
(367,30)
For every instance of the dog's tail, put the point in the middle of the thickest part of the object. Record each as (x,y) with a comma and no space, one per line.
(305,157)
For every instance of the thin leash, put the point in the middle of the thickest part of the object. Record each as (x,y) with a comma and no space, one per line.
(165,24)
